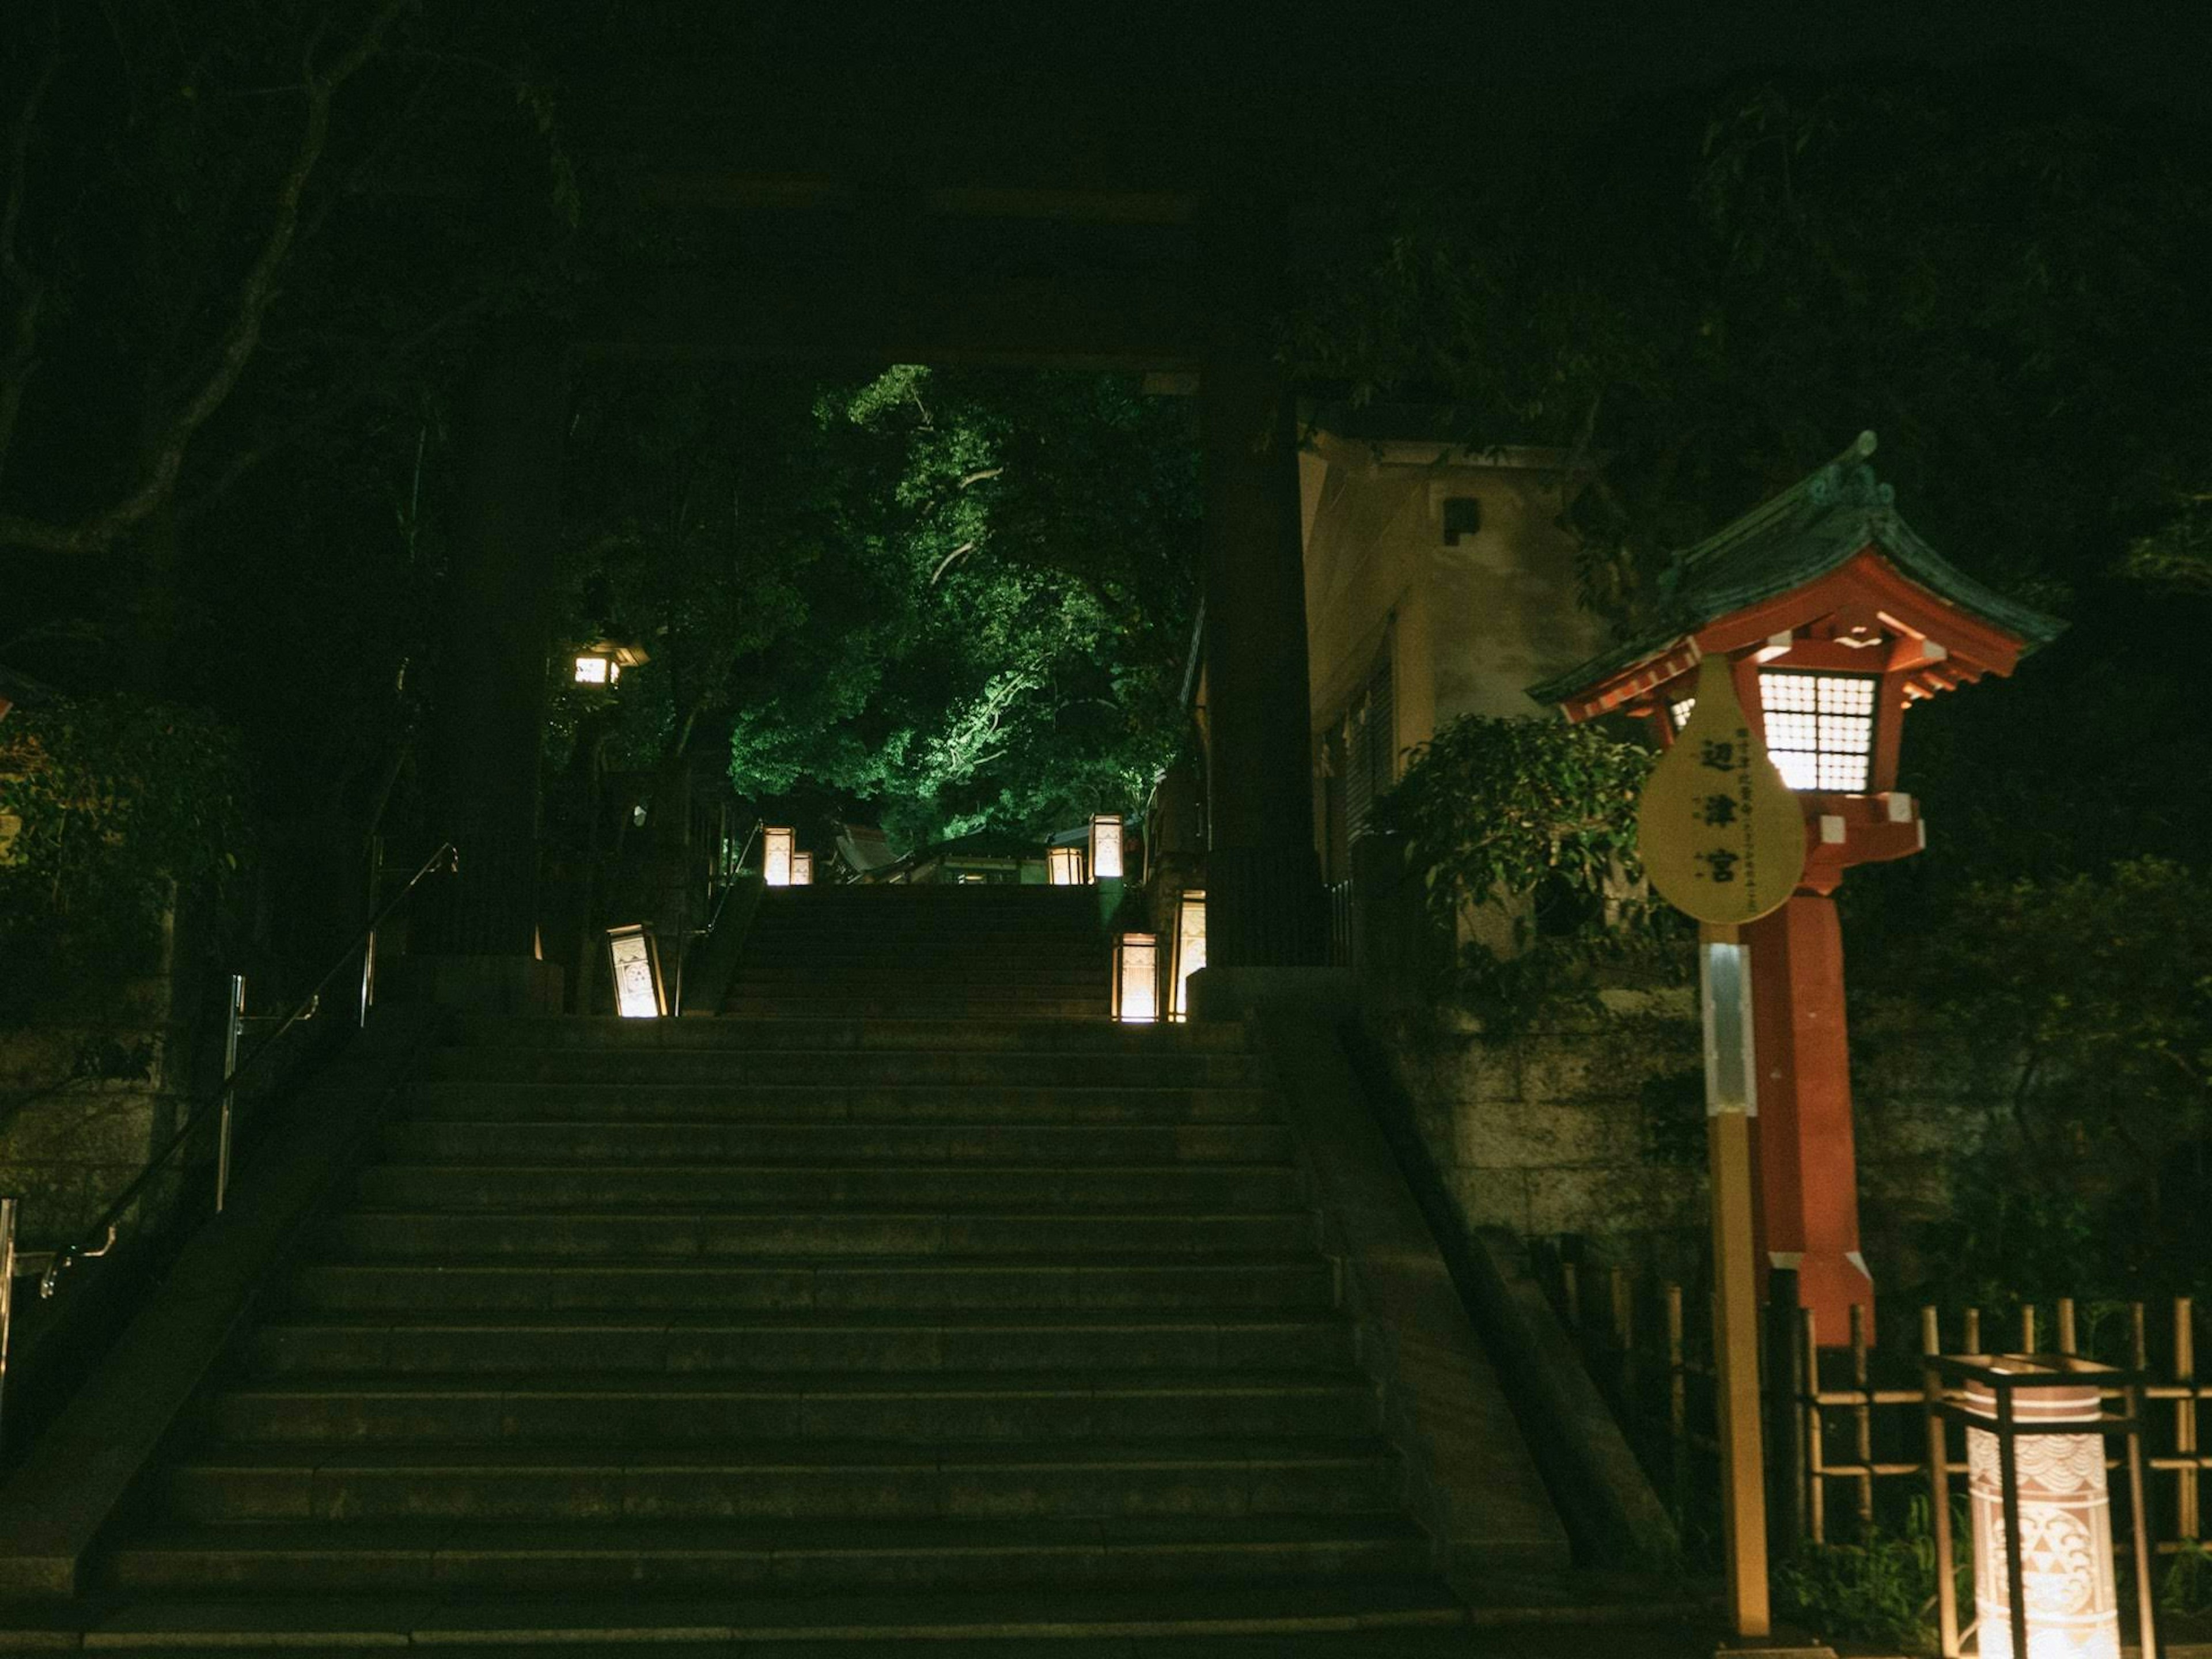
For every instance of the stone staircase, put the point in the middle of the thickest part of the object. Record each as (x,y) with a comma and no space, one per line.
(1004,1325)
(931,952)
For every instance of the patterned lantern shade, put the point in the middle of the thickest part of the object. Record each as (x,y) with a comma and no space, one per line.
(776,846)
(1064,865)
(802,869)
(1106,847)
(1136,978)
(2067,1579)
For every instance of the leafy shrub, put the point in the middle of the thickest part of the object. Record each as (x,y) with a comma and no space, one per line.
(106,808)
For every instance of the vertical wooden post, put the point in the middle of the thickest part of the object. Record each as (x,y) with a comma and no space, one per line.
(1731,1100)
(2189,1524)
(1785,1407)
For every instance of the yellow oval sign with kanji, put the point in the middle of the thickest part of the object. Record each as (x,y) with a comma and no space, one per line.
(1723,836)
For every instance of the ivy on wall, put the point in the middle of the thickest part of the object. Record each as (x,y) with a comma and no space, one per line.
(1531,823)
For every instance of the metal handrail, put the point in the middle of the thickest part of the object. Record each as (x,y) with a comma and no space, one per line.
(104,1228)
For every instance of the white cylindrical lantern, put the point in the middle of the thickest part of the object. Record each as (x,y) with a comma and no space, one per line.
(1106,847)
(802,869)
(1136,978)
(1064,865)
(1189,950)
(776,847)
(2067,1578)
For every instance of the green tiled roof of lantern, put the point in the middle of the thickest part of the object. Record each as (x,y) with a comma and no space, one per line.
(1820,522)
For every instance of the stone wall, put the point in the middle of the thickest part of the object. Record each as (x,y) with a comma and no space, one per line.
(82,1109)
(1594,1128)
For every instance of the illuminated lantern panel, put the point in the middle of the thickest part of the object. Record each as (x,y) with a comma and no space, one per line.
(634,958)
(2065,1529)
(776,857)
(1106,848)
(1820,728)
(1136,978)
(802,869)
(595,670)
(1064,866)
(1189,950)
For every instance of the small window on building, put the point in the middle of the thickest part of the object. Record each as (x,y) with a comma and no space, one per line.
(1462,517)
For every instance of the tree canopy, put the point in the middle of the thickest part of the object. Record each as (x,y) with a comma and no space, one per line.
(953,599)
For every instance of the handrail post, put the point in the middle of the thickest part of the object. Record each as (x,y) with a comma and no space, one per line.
(369,944)
(8,1209)
(233,1027)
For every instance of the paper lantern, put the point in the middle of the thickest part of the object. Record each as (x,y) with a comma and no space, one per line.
(1065,866)
(776,849)
(1136,978)
(2067,1580)
(1106,847)
(1189,950)
(802,869)
(633,955)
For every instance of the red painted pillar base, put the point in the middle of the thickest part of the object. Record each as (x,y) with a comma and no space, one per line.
(1807,1169)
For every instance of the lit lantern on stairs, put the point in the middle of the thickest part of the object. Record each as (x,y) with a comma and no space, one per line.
(1136,978)
(776,849)
(1189,950)
(634,964)
(802,869)
(1106,847)
(1064,866)
(1834,618)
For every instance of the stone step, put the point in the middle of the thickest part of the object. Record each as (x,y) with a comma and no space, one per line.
(518,1141)
(946,1003)
(921,945)
(1213,1187)
(1302,1281)
(828,1102)
(1216,1477)
(834,1565)
(724,1233)
(748,1064)
(920,1409)
(1100,1344)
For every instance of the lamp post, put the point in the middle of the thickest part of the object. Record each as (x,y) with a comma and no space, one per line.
(1832,617)
(2037,1502)
(602,662)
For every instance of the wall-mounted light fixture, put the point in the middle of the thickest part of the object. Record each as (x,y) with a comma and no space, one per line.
(634,957)
(776,849)
(1106,847)
(1136,978)
(1189,952)
(1064,866)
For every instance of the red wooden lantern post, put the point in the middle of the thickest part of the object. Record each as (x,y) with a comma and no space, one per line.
(1835,619)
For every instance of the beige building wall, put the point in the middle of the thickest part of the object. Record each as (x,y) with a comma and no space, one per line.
(1462,626)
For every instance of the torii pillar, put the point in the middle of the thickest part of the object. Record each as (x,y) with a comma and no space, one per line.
(1264,907)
